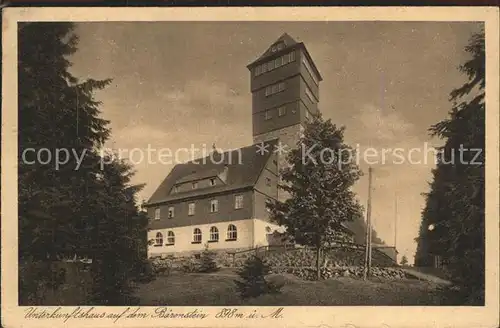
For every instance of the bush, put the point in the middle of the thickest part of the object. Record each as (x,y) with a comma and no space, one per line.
(207,261)
(190,266)
(253,282)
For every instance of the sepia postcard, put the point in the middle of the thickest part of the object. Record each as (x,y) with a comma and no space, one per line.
(250,167)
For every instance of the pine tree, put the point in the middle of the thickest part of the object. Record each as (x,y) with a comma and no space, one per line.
(252,281)
(207,261)
(67,208)
(455,203)
(404,260)
(319,180)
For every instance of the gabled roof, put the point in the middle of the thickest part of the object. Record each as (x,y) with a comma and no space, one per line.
(289,44)
(244,166)
(285,38)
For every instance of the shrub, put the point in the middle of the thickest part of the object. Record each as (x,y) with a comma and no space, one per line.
(252,281)
(191,265)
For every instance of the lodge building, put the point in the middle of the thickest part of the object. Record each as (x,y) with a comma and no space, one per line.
(220,200)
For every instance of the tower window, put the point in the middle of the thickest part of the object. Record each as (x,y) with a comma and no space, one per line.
(258,70)
(268,115)
(270,65)
(281,110)
(310,71)
(275,88)
(310,95)
(278,62)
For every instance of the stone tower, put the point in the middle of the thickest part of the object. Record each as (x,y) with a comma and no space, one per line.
(285,92)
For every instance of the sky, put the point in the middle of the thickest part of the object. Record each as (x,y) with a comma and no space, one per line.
(185,84)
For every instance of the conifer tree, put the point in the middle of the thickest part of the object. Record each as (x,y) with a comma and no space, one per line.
(455,203)
(319,180)
(70,208)
(207,261)
(252,281)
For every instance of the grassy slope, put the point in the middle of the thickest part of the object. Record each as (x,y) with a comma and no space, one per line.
(197,290)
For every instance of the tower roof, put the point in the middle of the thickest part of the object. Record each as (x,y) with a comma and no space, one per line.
(289,43)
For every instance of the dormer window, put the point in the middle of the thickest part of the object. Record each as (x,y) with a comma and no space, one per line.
(194,185)
(212,182)
(274,48)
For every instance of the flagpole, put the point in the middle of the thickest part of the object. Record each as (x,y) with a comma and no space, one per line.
(368,246)
(396,226)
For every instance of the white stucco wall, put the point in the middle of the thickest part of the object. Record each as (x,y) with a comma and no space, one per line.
(184,238)
(260,231)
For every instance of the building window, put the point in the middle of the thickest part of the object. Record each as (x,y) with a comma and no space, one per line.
(258,70)
(196,235)
(159,239)
(171,212)
(191,209)
(157,213)
(277,62)
(170,238)
(263,68)
(273,48)
(281,110)
(214,234)
(232,233)
(281,46)
(268,115)
(176,189)
(214,206)
(310,71)
(292,56)
(270,65)
(238,201)
(268,181)
(310,95)
(275,88)
(212,182)
(194,185)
